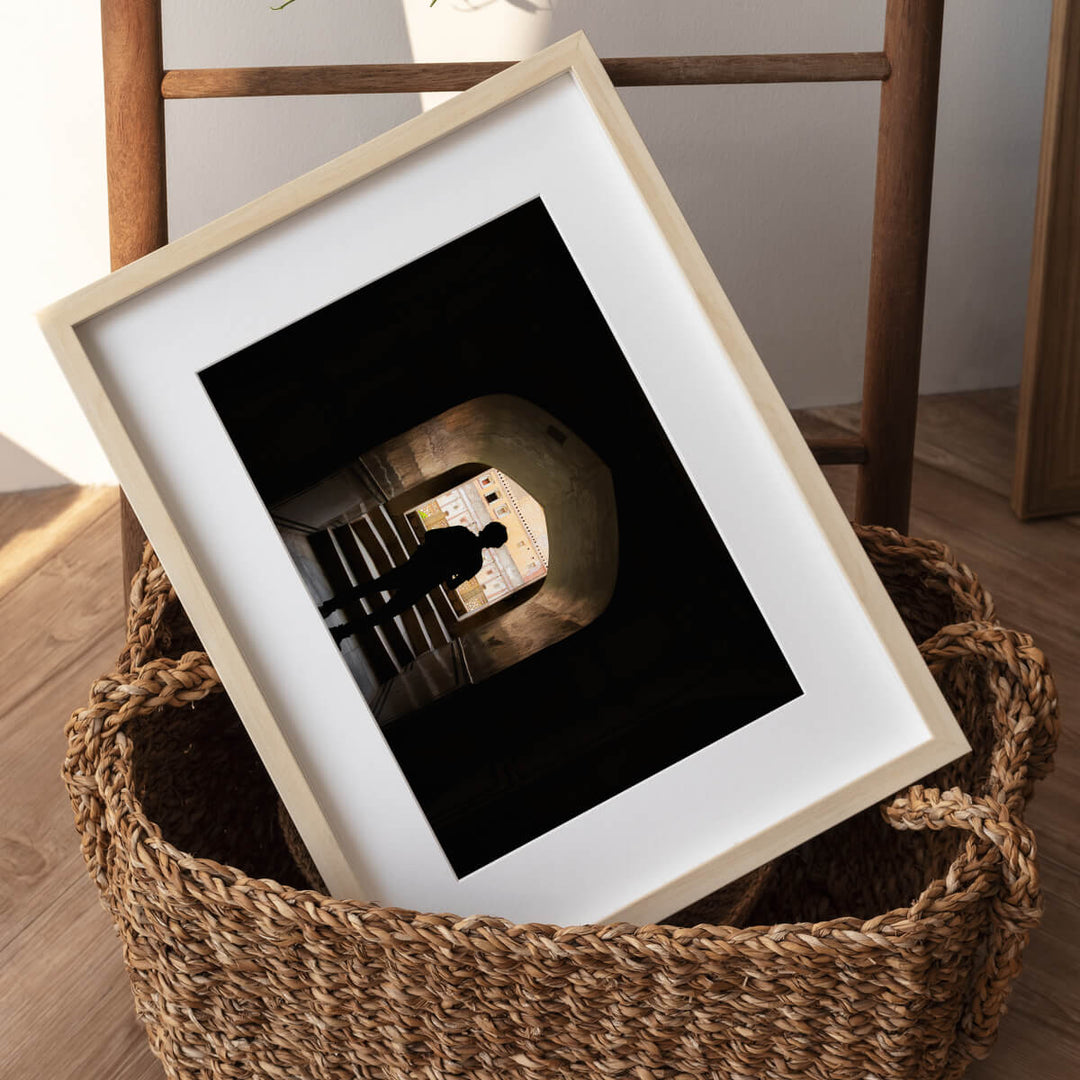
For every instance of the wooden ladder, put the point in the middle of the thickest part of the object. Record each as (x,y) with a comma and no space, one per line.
(137,87)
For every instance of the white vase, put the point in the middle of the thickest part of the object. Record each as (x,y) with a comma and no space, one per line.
(475,30)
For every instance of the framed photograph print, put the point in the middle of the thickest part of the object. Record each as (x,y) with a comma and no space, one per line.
(524,583)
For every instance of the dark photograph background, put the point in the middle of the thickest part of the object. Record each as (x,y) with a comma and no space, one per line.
(680,656)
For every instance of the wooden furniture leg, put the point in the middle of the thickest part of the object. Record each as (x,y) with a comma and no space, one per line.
(135,161)
(1047,476)
(905,169)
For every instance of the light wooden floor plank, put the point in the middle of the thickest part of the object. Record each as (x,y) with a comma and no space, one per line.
(38,842)
(40,636)
(65,1004)
(22,512)
(35,524)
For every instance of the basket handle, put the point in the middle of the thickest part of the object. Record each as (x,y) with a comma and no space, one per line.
(1024,710)
(1015,910)
(97,746)
(141,683)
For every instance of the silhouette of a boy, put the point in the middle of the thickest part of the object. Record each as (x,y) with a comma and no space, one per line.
(449,556)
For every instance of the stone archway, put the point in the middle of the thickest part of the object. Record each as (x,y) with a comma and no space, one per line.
(558,469)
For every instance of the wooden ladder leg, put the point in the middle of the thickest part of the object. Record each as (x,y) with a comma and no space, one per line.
(905,167)
(135,163)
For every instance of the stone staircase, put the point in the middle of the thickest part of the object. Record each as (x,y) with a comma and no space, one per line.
(413,658)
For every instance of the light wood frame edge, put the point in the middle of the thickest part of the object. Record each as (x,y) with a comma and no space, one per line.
(573,56)
(944,733)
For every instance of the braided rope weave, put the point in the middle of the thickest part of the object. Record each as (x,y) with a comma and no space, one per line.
(885,947)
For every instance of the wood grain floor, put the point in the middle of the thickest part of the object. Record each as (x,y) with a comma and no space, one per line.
(65,1008)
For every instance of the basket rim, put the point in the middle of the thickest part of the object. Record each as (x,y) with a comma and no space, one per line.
(191,678)
(294,903)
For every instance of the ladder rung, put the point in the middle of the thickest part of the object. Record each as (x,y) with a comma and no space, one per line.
(838,451)
(624,71)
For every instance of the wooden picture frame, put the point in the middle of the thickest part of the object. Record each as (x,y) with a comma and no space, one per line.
(546,152)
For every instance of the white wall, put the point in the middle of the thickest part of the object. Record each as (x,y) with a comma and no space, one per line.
(777,181)
(54,230)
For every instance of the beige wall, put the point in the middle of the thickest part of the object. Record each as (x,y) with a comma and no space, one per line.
(776,181)
(53,231)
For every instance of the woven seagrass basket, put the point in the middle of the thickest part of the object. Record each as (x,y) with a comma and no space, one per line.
(883,948)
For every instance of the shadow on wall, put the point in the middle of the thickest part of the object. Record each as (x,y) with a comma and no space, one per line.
(22,471)
(563,474)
